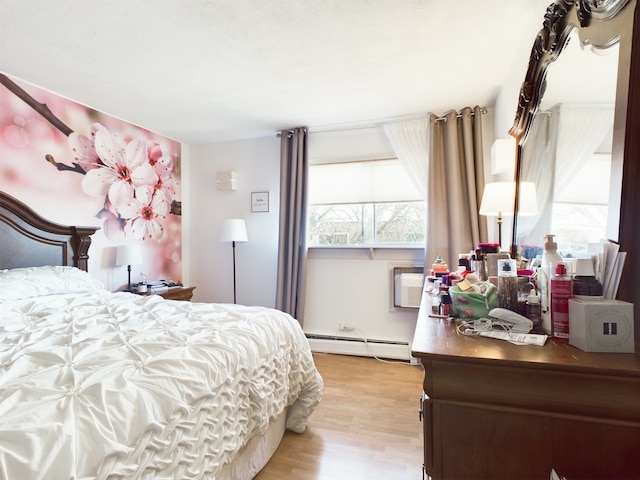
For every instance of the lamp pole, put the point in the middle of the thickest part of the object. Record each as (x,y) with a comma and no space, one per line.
(234,230)
(233,246)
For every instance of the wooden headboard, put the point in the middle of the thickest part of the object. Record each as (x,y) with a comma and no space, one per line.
(28,240)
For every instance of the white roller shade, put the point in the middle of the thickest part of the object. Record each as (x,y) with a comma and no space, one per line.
(376,181)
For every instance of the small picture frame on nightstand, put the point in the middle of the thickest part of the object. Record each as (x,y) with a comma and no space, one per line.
(259,201)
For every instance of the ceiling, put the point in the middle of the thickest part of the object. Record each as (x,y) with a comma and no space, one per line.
(209,70)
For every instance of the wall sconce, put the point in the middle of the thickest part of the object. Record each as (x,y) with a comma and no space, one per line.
(234,230)
(226,180)
(128,255)
(498,199)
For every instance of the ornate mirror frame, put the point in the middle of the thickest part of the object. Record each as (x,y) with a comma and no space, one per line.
(599,24)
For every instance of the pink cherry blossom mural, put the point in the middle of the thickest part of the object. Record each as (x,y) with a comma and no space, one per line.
(75,165)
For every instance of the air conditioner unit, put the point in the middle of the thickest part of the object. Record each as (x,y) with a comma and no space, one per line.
(408,290)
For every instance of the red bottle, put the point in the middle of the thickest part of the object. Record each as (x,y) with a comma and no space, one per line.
(560,294)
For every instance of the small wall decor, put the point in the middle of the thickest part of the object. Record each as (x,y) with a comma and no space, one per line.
(259,201)
(226,180)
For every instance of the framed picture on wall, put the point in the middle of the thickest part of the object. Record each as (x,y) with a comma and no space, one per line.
(259,201)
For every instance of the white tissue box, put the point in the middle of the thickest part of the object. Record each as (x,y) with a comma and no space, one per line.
(597,325)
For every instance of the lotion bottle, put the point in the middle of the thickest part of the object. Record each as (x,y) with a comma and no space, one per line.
(550,257)
(560,294)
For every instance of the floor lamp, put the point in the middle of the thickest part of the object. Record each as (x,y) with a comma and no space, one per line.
(234,230)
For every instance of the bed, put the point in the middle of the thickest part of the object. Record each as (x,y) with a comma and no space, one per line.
(96,384)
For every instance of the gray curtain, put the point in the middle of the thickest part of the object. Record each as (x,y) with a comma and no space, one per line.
(456,182)
(292,244)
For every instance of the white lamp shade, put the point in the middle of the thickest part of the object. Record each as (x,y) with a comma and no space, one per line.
(498,199)
(128,255)
(234,230)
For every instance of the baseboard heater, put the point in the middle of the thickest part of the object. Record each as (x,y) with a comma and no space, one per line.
(360,347)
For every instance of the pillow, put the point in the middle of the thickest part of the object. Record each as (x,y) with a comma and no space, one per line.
(19,283)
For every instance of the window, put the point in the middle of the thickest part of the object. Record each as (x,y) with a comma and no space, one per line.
(579,214)
(364,203)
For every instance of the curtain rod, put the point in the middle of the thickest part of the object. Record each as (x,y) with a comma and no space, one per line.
(375,124)
(483,110)
(290,132)
(342,127)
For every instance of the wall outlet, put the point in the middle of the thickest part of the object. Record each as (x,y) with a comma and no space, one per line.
(345,327)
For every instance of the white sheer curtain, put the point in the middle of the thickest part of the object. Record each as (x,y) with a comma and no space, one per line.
(561,140)
(410,142)
(444,156)
(580,132)
(538,165)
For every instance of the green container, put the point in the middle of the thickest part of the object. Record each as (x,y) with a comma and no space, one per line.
(474,304)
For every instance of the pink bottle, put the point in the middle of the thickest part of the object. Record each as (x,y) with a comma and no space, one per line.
(560,295)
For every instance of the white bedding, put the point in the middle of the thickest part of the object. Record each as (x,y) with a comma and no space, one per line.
(101,385)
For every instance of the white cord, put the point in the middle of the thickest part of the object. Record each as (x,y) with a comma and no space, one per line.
(366,344)
(475,327)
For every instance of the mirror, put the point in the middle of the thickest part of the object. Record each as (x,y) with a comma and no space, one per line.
(567,153)
(564,123)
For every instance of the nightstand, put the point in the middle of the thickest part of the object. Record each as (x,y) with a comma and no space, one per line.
(177,293)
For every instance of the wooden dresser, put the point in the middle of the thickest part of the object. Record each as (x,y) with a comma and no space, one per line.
(494,410)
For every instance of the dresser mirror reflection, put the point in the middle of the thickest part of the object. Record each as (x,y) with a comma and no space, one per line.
(613,28)
(602,25)
(567,152)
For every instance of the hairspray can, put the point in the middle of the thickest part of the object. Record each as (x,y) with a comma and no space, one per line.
(560,295)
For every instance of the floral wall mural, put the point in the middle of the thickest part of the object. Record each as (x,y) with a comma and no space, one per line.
(75,165)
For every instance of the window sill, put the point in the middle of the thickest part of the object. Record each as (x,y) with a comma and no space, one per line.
(371,251)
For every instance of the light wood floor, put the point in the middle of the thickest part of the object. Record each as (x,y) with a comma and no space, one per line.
(366,426)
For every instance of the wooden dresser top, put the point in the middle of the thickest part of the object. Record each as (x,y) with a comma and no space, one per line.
(437,339)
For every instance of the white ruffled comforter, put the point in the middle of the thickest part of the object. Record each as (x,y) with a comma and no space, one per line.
(104,385)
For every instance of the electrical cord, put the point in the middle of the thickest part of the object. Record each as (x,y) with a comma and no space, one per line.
(366,344)
(483,326)
(476,327)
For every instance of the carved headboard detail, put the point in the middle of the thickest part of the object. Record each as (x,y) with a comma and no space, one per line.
(28,240)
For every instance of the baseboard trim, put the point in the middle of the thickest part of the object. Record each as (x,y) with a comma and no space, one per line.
(358,347)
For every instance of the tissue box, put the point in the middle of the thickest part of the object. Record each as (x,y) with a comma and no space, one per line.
(597,325)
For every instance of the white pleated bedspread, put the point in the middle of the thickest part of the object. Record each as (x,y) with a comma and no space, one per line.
(104,385)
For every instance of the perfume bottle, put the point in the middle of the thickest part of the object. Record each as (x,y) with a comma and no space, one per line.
(508,284)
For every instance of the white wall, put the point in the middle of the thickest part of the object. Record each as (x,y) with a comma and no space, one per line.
(354,286)
(256,163)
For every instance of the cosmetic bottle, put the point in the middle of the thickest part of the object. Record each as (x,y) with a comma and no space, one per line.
(550,256)
(435,297)
(508,284)
(561,292)
(524,289)
(533,311)
(445,303)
